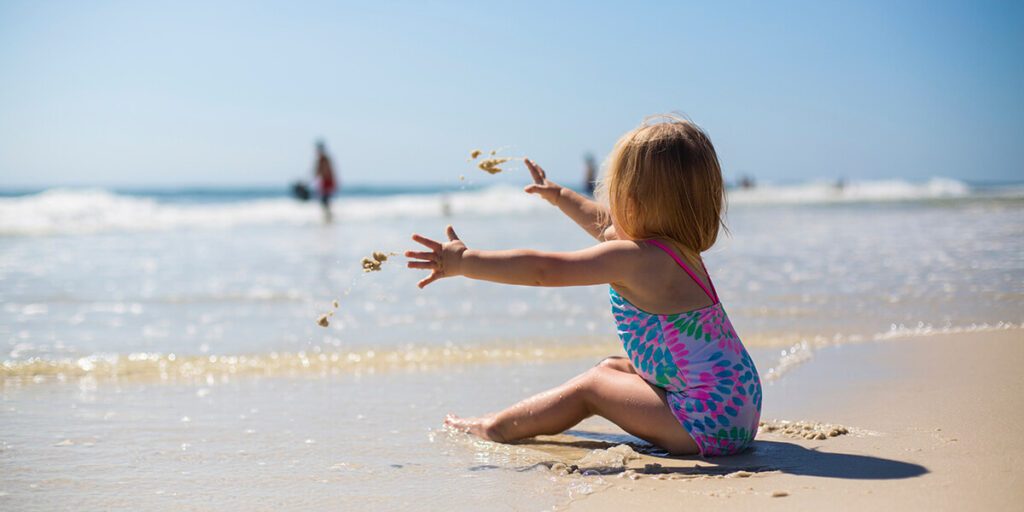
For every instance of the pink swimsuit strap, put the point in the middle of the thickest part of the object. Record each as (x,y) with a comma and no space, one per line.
(712,293)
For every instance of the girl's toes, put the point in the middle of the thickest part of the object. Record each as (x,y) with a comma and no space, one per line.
(453,421)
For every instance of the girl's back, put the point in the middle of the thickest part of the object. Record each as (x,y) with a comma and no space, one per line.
(660,286)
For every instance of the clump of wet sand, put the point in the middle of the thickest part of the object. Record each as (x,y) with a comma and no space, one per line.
(803,429)
(373,262)
(491,165)
(616,457)
(324,320)
(599,461)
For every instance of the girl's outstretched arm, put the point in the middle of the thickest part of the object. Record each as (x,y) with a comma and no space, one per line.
(592,216)
(608,262)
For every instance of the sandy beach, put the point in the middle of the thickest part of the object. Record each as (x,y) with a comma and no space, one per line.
(930,422)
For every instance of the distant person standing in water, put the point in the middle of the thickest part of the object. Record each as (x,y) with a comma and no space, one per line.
(324,175)
(590,173)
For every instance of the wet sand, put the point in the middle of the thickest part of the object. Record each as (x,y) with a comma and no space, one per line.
(925,422)
(932,426)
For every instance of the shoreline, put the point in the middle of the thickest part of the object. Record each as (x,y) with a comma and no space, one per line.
(928,420)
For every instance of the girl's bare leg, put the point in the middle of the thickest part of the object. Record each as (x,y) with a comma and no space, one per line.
(617,363)
(608,390)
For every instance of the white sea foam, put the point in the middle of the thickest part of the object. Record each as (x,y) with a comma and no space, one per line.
(84,211)
(803,351)
(71,211)
(826,192)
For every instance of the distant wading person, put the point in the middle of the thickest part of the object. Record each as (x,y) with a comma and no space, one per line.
(590,174)
(325,182)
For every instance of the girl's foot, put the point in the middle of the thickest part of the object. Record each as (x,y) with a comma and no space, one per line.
(480,427)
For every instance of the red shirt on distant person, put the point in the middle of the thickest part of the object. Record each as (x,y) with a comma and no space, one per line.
(325,180)
(324,171)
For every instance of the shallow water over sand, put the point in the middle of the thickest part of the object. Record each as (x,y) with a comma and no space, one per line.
(335,442)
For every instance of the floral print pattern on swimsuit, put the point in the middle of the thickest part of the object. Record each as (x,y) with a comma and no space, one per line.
(709,378)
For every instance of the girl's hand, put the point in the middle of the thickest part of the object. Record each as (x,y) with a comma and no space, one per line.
(542,186)
(443,260)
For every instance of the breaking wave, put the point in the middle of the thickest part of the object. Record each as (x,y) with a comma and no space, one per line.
(86,211)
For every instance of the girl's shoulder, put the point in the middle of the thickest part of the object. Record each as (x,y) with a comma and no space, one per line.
(643,251)
(641,261)
(657,281)
(638,253)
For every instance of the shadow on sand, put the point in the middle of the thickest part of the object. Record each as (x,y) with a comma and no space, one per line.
(761,456)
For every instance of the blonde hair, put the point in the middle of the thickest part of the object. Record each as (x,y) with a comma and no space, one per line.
(663,180)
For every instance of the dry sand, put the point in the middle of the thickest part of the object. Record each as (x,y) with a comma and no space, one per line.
(931,425)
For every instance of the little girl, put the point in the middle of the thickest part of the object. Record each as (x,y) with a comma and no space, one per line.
(688,385)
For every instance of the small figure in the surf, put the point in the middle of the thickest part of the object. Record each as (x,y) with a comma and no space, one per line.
(325,179)
(590,173)
(446,205)
(747,182)
(840,184)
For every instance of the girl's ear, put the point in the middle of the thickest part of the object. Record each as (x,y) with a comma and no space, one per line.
(610,233)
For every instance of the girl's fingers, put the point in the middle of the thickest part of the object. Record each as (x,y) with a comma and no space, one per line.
(428,265)
(540,171)
(427,242)
(421,255)
(535,172)
(434,276)
(451,233)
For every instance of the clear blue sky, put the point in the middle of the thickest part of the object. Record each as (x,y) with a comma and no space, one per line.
(150,93)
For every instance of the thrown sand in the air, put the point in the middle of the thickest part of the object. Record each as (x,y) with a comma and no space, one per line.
(373,262)
(324,320)
(491,165)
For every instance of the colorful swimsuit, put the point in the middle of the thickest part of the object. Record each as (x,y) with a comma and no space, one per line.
(709,379)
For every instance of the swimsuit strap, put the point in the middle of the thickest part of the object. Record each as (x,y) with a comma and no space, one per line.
(712,294)
(712,283)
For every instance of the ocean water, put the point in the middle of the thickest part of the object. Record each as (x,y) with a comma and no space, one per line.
(160,348)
